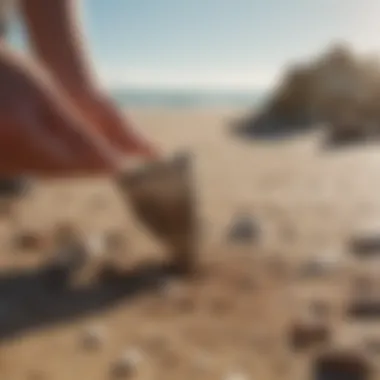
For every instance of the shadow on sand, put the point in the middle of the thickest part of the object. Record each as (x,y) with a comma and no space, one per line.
(37,299)
(269,128)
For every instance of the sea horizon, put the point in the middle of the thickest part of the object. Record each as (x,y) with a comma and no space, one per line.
(187,98)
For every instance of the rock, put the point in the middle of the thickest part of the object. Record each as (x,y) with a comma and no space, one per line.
(96,246)
(308,332)
(244,229)
(70,248)
(162,196)
(127,365)
(178,296)
(322,265)
(171,289)
(364,307)
(28,240)
(15,187)
(94,337)
(341,365)
(366,241)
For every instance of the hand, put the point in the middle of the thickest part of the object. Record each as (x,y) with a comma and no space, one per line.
(40,133)
(105,116)
(57,36)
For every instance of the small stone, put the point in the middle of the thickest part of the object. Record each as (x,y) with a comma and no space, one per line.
(170,289)
(366,246)
(245,229)
(94,337)
(127,365)
(96,246)
(364,307)
(321,265)
(341,365)
(15,187)
(306,333)
(366,240)
(28,240)
(70,249)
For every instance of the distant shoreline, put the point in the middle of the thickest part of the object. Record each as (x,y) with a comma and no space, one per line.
(155,98)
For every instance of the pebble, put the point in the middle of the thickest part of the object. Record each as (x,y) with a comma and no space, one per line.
(71,255)
(342,365)
(127,364)
(170,289)
(94,337)
(96,246)
(321,265)
(70,249)
(306,333)
(15,187)
(28,240)
(365,241)
(245,229)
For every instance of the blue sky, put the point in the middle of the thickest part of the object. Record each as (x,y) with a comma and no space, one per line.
(218,43)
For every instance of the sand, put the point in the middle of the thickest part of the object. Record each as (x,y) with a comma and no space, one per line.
(233,318)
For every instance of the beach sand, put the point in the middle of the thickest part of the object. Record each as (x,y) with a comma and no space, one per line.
(233,319)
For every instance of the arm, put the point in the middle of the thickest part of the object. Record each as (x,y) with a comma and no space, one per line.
(57,38)
(40,133)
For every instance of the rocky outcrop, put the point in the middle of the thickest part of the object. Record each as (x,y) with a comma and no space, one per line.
(339,86)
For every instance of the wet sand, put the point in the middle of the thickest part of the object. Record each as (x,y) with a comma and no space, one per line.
(235,316)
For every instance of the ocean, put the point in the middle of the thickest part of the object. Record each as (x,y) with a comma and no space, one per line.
(186,98)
